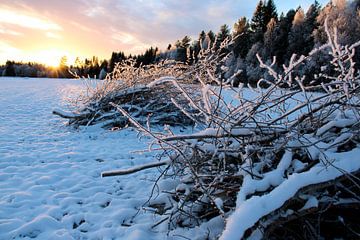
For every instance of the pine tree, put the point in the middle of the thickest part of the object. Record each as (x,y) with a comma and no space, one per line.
(281,40)
(198,45)
(269,39)
(185,42)
(258,24)
(202,40)
(63,69)
(345,17)
(310,26)
(148,57)
(241,36)
(116,57)
(240,27)
(210,38)
(182,49)
(270,12)
(297,34)
(63,62)
(223,34)
(9,69)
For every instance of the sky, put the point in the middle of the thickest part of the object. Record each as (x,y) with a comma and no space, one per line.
(45,30)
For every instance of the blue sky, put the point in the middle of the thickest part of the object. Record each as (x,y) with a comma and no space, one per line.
(45,30)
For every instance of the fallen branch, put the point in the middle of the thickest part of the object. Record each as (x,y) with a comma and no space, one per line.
(134,170)
(68,115)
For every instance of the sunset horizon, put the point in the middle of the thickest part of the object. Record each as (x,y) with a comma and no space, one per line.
(43,32)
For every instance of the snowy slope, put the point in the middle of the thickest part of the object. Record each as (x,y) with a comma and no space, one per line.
(50,184)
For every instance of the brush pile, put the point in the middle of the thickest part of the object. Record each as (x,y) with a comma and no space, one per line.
(136,89)
(261,161)
(129,87)
(268,159)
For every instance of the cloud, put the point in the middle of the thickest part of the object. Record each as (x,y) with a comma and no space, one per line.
(95,11)
(9,32)
(8,51)
(53,35)
(124,38)
(27,21)
(83,27)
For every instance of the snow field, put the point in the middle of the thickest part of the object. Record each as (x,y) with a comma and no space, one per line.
(50,184)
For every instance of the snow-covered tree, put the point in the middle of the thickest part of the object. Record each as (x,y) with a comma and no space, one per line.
(102,73)
(345,17)
(342,15)
(253,70)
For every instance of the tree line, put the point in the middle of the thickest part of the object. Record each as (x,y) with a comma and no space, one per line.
(270,35)
(89,67)
(267,34)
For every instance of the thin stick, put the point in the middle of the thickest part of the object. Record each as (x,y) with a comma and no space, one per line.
(134,170)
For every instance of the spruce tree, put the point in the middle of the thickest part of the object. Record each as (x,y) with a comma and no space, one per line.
(269,39)
(241,36)
(210,38)
(270,11)
(223,34)
(258,24)
(185,42)
(281,42)
(297,34)
(9,69)
(198,45)
(240,27)
(202,37)
(310,26)
(181,49)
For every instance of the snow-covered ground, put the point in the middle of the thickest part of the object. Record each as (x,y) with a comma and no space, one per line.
(51,188)
(50,184)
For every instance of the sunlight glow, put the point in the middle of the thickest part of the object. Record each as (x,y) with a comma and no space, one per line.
(8,51)
(52,57)
(53,35)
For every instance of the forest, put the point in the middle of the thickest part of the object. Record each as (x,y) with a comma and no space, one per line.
(267,33)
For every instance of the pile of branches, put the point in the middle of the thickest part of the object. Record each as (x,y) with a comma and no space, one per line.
(136,90)
(131,88)
(269,160)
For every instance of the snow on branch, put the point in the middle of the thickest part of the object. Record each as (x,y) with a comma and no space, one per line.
(253,154)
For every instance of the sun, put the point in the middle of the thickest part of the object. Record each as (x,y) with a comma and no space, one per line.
(52,57)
